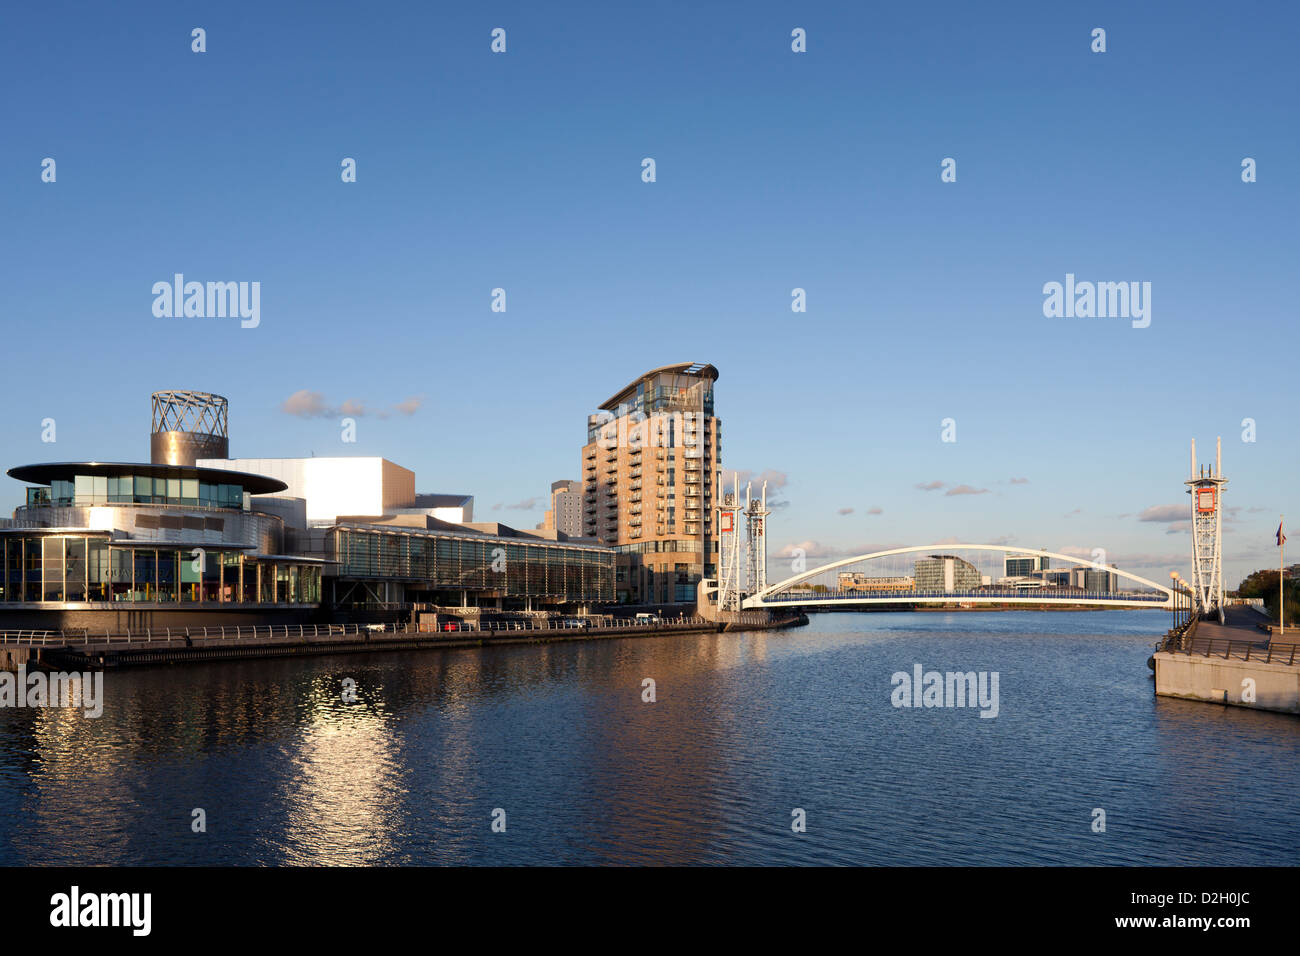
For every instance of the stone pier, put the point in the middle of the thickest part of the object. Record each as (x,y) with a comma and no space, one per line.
(1234,663)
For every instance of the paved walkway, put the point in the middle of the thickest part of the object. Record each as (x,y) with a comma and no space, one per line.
(1247,640)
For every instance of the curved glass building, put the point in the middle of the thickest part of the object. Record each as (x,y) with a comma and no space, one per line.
(100,534)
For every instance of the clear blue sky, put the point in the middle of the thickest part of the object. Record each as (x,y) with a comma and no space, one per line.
(775,170)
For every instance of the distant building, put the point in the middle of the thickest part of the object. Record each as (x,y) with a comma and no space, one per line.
(1096,580)
(1024,565)
(565,513)
(946,572)
(855,581)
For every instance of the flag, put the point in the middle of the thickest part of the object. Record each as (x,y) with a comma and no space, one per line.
(1281,538)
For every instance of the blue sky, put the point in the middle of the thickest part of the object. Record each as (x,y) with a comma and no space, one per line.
(775,170)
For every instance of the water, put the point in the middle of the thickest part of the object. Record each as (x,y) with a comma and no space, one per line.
(746,727)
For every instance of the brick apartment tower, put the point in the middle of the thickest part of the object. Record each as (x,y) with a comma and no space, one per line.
(650,469)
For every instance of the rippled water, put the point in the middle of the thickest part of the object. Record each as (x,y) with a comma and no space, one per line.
(745,728)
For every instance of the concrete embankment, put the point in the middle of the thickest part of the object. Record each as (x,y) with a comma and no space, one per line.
(1233,663)
(292,641)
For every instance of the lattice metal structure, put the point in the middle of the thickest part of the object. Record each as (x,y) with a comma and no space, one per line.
(730,557)
(187,426)
(1206,489)
(756,539)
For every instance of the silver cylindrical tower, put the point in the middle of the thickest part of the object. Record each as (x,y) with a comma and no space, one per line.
(188,426)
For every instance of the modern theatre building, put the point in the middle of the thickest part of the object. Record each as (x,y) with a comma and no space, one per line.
(95,534)
(179,542)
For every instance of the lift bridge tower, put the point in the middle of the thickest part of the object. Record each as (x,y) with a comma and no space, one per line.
(756,538)
(741,572)
(1206,489)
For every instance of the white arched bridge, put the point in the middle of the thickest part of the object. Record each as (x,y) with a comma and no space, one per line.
(965,574)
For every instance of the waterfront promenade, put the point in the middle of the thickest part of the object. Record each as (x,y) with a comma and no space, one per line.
(1234,663)
(174,645)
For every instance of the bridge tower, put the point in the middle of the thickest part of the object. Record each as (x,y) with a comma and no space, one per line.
(1206,489)
(756,539)
(729,553)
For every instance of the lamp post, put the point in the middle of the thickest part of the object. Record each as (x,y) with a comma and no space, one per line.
(1173,586)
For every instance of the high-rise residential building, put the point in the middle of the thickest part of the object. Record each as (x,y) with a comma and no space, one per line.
(650,468)
(565,513)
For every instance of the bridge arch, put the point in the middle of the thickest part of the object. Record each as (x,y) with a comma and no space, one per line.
(765,597)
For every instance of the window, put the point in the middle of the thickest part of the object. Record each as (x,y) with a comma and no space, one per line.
(210,576)
(230,576)
(97,573)
(191,563)
(53,562)
(120,574)
(31,569)
(168,577)
(75,569)
(145,564)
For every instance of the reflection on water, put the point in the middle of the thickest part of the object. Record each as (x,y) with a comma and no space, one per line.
(745,728)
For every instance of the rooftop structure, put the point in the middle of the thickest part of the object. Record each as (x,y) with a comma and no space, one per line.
(187,426)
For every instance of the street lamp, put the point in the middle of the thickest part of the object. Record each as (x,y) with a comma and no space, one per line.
(1173,586)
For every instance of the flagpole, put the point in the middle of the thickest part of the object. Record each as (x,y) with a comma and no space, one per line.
(1281,570)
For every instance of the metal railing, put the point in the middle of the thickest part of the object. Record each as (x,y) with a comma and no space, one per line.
(1034,594)
(1228,649)
(189,635)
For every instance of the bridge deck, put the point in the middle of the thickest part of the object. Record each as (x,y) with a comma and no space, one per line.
(981,596)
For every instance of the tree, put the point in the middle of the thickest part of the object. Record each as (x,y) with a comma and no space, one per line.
(1263,584)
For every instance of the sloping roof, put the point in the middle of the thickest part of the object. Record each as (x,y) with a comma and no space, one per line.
(441,501)
(682,368)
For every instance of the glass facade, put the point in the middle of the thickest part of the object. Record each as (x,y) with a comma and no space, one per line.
(139,490)
(76,568)
(508,567)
